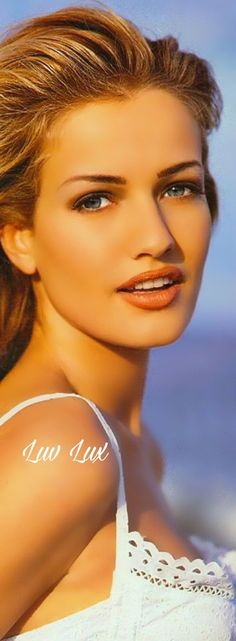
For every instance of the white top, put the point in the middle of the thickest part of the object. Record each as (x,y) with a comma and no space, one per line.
(153,595)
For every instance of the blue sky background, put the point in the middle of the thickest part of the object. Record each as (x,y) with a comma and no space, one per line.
(207,28)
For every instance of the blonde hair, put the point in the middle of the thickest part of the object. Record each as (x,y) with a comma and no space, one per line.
(50,64)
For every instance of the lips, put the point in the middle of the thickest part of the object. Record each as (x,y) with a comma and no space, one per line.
(174,273)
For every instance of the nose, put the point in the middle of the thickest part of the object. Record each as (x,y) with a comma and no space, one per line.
(152,234)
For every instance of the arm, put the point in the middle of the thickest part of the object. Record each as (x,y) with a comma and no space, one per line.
(49,510)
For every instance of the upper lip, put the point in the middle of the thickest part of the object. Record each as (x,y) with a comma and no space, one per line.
(174,273)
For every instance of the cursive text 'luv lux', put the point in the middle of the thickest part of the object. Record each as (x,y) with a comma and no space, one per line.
(34,454)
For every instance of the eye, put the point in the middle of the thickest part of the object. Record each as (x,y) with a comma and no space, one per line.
(193,189)
(92,200)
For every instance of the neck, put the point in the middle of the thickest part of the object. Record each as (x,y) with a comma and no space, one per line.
(113,377)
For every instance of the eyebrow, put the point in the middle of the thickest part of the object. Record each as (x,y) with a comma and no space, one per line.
(119,180)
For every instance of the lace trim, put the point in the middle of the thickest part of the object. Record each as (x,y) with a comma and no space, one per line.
(162,569)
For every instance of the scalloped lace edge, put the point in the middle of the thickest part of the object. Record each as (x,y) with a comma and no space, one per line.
(163,569)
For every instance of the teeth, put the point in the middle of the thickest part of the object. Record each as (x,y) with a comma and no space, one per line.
(150,284)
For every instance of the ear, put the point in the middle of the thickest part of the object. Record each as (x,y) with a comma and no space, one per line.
(18,246)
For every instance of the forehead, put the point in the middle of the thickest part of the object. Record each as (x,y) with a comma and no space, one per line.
(152,124)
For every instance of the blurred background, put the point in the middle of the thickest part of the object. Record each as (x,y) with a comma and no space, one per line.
(190,401)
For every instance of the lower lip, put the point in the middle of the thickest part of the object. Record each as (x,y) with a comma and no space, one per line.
(154,299)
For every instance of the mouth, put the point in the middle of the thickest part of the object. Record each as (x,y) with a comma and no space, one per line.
(153,289)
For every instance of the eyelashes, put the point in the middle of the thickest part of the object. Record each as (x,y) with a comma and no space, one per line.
(79,204)
(195,190)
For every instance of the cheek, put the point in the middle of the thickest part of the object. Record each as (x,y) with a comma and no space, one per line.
(69,259)
(199,246)
(193,236)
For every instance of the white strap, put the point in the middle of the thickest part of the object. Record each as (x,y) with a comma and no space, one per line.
(122,519)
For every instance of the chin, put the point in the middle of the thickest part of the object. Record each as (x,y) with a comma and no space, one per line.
(162,333)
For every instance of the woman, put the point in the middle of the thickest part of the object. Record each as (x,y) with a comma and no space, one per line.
(107,211)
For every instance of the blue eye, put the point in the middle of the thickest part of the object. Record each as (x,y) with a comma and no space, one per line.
(92,198)
(192,188)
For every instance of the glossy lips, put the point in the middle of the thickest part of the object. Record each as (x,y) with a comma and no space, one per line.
(153,299)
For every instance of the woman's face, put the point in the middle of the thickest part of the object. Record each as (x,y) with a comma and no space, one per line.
(85,252)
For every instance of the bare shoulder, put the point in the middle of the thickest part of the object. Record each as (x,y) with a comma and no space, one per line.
(55,506)
(62,440)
